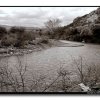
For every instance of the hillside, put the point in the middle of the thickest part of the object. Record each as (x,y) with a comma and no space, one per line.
(85,28)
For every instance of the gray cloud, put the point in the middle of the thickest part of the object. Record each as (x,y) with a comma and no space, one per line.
(36,16)
(2,12)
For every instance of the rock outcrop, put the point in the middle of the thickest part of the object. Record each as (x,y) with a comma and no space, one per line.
(85,28)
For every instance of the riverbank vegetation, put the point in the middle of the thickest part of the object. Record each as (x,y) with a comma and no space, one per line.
(18,39)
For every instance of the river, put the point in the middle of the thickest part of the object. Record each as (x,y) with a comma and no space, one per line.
(48,61)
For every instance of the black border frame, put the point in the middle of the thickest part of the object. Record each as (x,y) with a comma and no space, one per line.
(46,93)
(47,6)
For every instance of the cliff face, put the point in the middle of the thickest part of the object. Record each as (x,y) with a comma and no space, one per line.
(85,28)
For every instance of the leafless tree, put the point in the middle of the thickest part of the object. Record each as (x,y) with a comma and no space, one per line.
(52,24)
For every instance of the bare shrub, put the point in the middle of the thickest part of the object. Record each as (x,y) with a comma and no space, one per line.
(61,83)
(89,75)
(9,40)
(65,82)
(80,70)
(37,83)
(29,36)
(43,39)
(92,75)
(19,79)
(15,30)
(3,31)
(13,80)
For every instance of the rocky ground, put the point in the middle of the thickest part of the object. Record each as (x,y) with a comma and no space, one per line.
(11,51)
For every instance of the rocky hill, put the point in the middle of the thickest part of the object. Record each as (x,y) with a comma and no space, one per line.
(85,28)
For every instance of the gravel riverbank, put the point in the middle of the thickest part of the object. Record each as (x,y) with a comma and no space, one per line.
(5,52)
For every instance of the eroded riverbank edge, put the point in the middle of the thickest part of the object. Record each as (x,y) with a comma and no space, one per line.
(6,52)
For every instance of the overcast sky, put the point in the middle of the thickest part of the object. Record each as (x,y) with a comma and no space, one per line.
(36,16)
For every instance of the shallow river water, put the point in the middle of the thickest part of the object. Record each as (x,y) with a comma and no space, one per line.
(48,61)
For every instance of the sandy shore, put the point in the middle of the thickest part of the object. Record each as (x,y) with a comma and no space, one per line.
(64,43)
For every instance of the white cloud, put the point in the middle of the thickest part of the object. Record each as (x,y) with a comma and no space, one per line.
(36,16)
